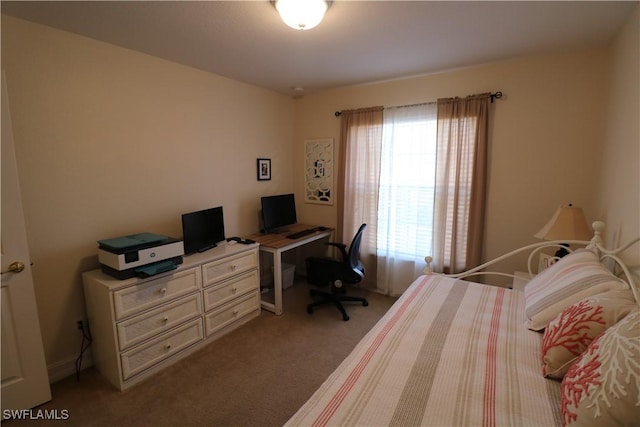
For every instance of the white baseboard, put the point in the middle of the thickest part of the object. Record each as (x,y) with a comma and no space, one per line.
(65,368)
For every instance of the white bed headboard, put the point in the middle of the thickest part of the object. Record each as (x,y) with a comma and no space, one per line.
(596,243)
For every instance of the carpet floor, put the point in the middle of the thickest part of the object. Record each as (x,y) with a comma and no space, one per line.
(258,375)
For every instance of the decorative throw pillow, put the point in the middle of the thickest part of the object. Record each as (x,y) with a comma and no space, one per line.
(603,386)
(576,276)
(571,332)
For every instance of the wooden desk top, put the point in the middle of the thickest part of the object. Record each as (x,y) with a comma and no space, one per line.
(281,240)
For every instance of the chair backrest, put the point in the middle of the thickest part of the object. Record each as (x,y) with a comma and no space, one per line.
(353,256)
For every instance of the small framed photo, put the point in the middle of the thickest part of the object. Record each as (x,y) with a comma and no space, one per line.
(264,169)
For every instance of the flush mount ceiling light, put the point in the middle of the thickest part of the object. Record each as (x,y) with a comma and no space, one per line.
(301,14)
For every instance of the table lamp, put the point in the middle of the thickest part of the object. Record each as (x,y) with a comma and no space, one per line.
(567,223)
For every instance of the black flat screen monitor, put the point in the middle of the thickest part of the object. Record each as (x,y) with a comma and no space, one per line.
(201,230)
(278,212)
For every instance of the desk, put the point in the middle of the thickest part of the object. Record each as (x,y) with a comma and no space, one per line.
(276,244)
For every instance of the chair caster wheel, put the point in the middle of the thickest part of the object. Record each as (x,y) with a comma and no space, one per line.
(345,317)
(310,309)
(365,303)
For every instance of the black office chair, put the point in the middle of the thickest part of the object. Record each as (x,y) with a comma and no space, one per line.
(333,272)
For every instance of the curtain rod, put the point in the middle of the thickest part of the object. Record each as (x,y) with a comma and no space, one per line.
(495,95)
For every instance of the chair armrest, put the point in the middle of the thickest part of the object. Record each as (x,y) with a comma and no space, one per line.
(341,246)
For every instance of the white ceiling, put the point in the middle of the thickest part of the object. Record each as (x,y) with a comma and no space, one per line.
(357,42)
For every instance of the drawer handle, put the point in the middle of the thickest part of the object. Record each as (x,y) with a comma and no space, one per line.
(233,267)
(163,291)
(168,347)
(165,320)
(234,290)
(235,313)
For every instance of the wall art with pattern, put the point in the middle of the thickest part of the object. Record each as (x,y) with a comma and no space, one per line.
(319,166)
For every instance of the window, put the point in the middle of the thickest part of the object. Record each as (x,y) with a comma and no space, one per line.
(407,182)
(417,176)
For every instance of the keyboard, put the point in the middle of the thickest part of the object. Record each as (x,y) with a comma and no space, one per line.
(301,233)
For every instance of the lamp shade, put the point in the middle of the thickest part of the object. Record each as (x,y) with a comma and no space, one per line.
(301,14)
(567,223)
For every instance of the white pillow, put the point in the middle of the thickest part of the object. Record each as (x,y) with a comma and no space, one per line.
(577,276)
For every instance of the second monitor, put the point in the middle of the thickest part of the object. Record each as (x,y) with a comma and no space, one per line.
(278,212)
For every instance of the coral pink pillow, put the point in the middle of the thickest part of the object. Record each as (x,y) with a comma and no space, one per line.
(603,387)
(571,332)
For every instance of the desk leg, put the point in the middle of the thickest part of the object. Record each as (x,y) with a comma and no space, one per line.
(277,282)
(276,307)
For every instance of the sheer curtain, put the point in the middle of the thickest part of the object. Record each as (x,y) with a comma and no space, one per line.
(405,195)
(461,175)
(358,179)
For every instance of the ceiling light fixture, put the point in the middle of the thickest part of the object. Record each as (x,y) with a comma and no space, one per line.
(301,14)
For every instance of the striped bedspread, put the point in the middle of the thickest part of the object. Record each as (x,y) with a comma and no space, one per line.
(448,353)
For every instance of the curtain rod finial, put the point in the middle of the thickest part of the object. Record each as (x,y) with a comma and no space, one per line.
(496,95)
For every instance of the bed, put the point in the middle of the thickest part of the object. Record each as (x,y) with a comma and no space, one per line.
(451,352)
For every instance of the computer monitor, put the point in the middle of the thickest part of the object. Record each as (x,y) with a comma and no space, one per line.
(278,212)
(202,229)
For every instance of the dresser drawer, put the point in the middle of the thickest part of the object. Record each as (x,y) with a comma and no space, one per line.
(163,347)
(145,326)
(223,269)
(146,295)
(229,313)
(222,293)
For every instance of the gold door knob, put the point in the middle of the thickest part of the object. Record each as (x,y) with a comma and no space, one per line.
(14,267)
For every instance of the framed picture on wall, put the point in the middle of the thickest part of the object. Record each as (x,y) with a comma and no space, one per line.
(264,169)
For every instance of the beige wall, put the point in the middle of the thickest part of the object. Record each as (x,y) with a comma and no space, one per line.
(547,135)
(618,190)
(111,142)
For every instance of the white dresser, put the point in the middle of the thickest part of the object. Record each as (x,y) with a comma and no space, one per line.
(140,326)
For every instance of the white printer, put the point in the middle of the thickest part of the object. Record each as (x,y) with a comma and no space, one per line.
(142,255)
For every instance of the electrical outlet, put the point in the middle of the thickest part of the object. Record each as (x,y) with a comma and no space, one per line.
(80,324)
